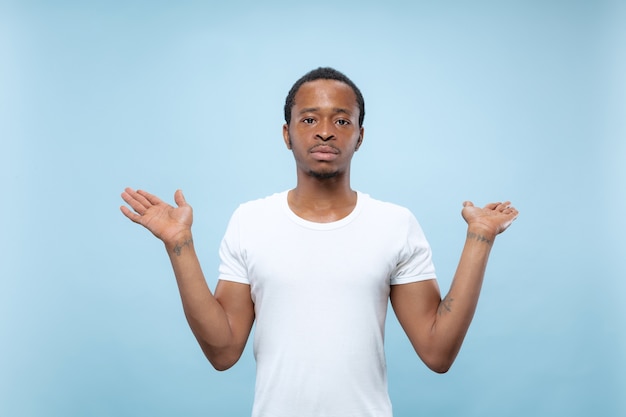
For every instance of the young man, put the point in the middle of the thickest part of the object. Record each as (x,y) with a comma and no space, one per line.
(315,267)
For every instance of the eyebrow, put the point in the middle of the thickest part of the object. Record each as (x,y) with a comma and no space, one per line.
(316,109)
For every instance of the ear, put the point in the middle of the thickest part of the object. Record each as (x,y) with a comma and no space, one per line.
(360,140)
(286,137)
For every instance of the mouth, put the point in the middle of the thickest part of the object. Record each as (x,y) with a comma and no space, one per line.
(324,149)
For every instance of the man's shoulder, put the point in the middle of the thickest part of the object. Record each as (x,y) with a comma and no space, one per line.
(382,206)
(259,205)
(390,217)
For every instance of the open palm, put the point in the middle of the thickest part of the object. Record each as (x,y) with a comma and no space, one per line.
(495,217)
(163,220)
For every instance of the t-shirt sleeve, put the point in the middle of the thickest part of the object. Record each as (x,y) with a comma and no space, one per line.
(232,260)
(415,261)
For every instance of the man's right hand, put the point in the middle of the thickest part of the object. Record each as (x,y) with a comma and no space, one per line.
(166,222)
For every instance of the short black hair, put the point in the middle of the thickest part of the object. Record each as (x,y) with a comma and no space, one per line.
(323,73)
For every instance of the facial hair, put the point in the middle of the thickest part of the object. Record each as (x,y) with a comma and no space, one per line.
(323,175)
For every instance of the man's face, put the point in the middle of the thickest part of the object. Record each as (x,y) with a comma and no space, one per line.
(324,130)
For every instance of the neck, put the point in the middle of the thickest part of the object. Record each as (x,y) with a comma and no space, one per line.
(322,200)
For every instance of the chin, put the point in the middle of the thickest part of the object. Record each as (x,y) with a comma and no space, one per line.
(323,175)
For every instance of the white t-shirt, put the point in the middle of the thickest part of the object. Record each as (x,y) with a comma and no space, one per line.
(320,293)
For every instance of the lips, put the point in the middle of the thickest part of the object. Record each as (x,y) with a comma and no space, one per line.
(324,153)
(324,149)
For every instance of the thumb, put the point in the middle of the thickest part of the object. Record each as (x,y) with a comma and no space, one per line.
(468,204)
(179,198)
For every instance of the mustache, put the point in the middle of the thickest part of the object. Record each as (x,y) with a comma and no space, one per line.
(324,145)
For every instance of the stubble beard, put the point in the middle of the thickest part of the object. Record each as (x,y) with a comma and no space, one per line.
(323,175)
(319,175)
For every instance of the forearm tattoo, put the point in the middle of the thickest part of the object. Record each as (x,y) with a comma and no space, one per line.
(445,306)
(179,246)
(480,238)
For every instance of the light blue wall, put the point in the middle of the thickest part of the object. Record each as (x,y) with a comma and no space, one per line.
(519,100)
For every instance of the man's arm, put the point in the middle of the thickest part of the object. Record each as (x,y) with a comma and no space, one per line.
(222,322)
(436,327)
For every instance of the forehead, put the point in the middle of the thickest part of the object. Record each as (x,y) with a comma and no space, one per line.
(325,93)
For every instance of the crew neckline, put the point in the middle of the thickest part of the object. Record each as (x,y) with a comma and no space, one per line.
(360,197)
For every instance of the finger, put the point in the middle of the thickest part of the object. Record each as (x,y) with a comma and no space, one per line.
(510,211)
(492,206)
(468,204)
(134,217)
(513,212)
(136,201)
(150,198)
(137,195)
(129,198)
(505,205)
(510,218)
(179,198)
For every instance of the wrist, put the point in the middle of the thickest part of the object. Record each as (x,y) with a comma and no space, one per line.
(480,233)
(179,242)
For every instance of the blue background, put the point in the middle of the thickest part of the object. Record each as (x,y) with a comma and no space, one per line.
(519,100)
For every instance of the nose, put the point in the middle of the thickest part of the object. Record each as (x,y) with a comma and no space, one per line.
(325,132)
(325,137)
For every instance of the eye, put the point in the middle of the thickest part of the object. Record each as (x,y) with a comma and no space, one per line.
(343,122)
(308,120)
